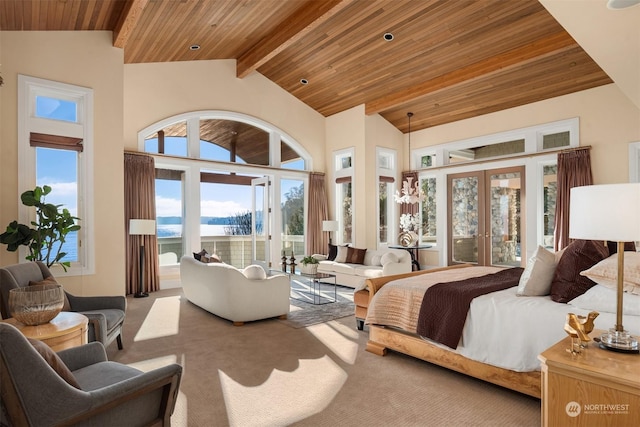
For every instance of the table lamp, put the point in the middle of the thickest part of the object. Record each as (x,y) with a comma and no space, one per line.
(329,226)
(141,227)
(609,212)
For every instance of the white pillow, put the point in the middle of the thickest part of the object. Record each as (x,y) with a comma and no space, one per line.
(376,260)
(603,299)
(341,256)
(388,257)
(606,272)
(538,274)
(254,272)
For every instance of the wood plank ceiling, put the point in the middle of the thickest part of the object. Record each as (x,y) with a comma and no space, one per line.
(448,60)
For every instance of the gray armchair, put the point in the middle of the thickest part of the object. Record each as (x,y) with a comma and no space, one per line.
(106,313)
(35,393)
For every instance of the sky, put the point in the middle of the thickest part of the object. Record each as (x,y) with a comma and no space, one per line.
(216,200)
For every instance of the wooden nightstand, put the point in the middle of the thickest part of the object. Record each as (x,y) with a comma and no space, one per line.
(595,388)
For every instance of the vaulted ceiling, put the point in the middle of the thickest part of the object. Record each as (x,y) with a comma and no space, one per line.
(448,59)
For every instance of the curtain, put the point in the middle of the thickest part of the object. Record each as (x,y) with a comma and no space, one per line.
(139,203)
(317,240)
(408,208)
(574,170)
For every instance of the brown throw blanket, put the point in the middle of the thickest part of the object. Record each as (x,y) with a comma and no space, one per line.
(445,305)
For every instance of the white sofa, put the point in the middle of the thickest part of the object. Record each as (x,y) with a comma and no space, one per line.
(227,292)
(376,264)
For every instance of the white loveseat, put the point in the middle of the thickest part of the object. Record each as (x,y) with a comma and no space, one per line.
(377,263)
(227,292)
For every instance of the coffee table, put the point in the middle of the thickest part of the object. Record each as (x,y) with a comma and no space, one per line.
(308,287)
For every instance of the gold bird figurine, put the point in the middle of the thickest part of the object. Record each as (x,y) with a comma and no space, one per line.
(575,329)
(588,321)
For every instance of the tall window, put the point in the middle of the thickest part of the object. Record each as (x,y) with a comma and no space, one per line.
(55,149)
(428,210)
(386,171)
(343,163)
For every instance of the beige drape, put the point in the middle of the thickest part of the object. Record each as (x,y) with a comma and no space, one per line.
(317,240)
(408,208)
(574,170)
(139,203)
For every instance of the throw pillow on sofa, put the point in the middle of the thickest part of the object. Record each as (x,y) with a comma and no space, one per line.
(341,256)
(254,272)
(333,252)
(355,255)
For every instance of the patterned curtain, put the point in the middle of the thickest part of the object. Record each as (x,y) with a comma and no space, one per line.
(139,203)
(574,170)
(317,240)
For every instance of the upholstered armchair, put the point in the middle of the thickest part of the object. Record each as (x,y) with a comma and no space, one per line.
(79,386)
(106,313)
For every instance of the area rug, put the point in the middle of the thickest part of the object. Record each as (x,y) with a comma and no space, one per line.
(303,313)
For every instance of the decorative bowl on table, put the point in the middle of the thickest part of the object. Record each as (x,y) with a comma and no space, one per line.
(309,269)
(37,304)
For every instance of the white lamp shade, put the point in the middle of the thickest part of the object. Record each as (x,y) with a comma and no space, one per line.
(329,225)
(144,227)
(605,212)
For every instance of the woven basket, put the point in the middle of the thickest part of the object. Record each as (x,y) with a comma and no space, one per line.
(309,268)
(37,304)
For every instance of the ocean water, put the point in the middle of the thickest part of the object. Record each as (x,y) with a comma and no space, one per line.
(175,230)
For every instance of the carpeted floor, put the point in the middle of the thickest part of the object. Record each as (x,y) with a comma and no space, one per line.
(267,373)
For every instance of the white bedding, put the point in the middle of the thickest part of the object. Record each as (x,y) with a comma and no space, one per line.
(509,331)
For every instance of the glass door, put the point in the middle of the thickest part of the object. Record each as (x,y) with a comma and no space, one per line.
(260,222)
(485,213)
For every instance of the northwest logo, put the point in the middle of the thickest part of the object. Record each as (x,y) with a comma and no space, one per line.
(573,409)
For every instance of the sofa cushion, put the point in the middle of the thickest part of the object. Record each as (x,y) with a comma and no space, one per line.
(388,257)
(341,256)
(254,272)
(355,255)
(368,271)
(344,268)
(333,251)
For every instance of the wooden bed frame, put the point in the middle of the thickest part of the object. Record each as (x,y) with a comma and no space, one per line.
(382,338)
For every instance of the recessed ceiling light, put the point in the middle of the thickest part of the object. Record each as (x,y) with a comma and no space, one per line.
(621,4)
(304,81)
(388,36)
(194,47)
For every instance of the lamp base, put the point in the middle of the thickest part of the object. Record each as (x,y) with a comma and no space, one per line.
(140,295)
(619,341)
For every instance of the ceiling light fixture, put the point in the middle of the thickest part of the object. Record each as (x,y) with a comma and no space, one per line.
(304,81)
(388,36)
(194,47)
(621,4)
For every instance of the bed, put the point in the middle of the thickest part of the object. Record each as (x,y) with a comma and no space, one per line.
(503,333)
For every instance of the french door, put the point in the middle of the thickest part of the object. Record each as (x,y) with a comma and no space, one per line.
(261,221)
(486,217)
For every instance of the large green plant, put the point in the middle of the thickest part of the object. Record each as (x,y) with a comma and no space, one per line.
(47,233)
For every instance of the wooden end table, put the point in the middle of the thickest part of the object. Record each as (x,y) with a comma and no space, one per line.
(64,331)
(595,388)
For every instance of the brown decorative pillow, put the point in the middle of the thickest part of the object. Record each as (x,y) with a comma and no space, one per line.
(580,255)
(355,255)
(198,255)
(628,247)
(50,280)
(333,252)
(55,362)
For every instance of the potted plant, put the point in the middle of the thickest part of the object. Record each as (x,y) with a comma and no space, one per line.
(309,265)
(45,236)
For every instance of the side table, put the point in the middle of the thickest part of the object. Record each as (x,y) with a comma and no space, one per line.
(64,331)
(595,388)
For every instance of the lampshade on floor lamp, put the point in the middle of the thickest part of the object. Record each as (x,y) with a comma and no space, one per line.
(609,212)
(329,226)
(141,227)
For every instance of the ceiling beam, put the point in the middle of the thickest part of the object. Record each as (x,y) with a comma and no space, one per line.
(549,45)
(293,29)
(129,18)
